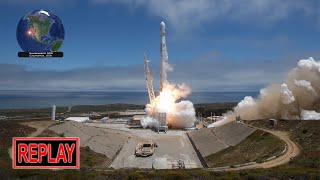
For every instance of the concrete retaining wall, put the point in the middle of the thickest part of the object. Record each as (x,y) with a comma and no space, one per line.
(212,140)
(201,158)
(100,140)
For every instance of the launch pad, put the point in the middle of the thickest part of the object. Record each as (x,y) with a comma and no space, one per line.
(171,147)
(119,143)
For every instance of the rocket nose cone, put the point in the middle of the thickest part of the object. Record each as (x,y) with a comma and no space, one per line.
(162,24)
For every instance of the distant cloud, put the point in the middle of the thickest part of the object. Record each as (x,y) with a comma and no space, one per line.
(206,73)
(55,3)
(97,78)
(182,14)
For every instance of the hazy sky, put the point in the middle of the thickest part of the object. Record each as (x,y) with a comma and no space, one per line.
(214,45)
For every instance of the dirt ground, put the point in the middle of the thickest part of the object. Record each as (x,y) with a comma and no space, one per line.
(291,152)
(39,125)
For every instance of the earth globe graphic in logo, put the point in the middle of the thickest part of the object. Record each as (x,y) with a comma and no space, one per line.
(40,31)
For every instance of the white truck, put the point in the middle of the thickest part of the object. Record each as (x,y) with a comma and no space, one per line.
(145,148)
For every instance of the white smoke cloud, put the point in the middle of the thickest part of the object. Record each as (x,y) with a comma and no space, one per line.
(179,114)
(183,115)
(149,122)
(286,95)
(297,97)
(307,85)
(310,115)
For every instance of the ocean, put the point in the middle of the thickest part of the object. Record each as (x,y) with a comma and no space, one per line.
(42,99)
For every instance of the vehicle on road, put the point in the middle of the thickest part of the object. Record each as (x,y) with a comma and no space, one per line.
(145,148)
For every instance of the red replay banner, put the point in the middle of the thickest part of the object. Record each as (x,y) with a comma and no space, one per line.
(46,153)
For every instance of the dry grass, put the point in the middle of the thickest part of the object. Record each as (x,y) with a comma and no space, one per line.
(258,146)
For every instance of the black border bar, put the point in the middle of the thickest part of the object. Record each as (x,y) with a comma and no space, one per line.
(40,54)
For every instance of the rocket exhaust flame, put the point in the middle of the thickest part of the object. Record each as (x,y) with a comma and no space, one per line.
(298,97)
(179,115)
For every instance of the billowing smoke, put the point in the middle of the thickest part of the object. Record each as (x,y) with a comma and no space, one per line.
(149,122)
(179,114)
(296,98)
(310,115)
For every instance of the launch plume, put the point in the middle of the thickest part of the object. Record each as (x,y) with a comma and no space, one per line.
(179,114)
(296,98)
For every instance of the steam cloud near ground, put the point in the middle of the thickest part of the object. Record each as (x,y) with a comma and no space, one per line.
(179,114)
(297,97)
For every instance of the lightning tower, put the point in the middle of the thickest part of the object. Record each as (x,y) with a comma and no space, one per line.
(148,77)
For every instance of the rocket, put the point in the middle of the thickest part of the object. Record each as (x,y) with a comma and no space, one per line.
(163,56)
